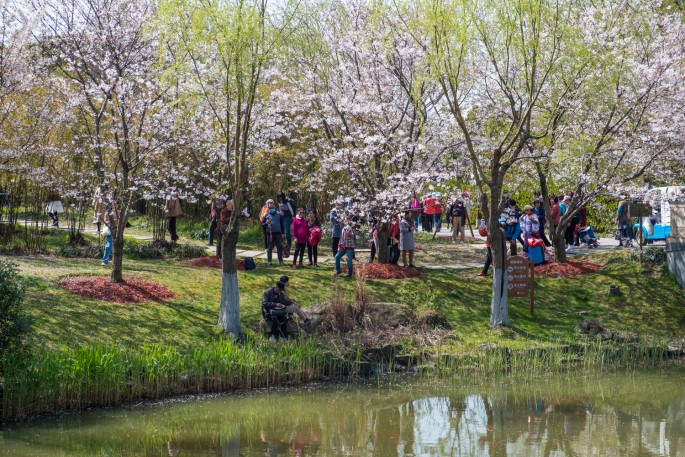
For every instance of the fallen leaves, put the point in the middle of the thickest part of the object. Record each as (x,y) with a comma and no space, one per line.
(103,289)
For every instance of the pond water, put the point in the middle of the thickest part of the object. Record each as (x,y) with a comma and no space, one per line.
(618,414)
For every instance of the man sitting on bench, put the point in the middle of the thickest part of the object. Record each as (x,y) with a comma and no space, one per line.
(293,306)
(275,310)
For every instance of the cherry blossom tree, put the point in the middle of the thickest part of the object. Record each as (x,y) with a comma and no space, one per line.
(221,52)
(359,108)
(105,58)
(619,112)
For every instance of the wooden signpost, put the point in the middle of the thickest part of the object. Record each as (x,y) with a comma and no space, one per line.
(521,279)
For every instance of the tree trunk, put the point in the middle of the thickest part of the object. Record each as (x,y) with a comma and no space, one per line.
(229,310)
(559,247)
(118,252)
(382,248)
(499,306)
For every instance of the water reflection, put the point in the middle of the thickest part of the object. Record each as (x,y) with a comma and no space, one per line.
(615,415)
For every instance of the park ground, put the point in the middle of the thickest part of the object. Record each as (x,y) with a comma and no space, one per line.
(650,302)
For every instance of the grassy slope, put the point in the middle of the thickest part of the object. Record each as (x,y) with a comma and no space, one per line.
(651,303)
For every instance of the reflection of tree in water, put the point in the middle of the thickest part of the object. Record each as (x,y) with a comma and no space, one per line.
(510,419)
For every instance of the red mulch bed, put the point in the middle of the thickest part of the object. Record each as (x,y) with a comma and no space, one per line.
(386,271)
(211,262)
(131,291)
(568,269)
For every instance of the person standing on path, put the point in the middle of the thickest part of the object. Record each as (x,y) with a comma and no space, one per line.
(99,209)
(540,213)
(274,221)
(315,234)
(214,212)
(348,238)
(110,221)
(335,219)
(262,219)
(555,214)
(172,211)
(300,230)
(407,239)
(483,231)
(458,216)
(286,206)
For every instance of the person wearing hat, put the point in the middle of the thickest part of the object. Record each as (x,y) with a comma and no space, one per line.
(274,310)
(293,306)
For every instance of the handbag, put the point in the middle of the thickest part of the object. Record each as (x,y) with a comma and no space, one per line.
(106,231)
(285,249)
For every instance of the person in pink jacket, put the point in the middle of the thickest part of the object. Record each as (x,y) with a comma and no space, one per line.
(300,230)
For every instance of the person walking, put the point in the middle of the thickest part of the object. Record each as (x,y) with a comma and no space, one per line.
(335,219)
(53,208)
(274,222)
(215,207)
(315,235)
(300,231)
(623,223)
(348,238)
(286,207)
(172,211)
(407,239)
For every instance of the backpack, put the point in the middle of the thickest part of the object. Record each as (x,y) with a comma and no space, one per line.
(262,213)
(249,264)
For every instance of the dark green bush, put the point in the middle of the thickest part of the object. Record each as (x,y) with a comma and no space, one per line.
(14,322)
(187,251)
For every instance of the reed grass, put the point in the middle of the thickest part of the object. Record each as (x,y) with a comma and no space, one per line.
(71,379)
(78,378)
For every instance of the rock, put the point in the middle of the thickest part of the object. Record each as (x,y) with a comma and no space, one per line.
(591,327)
(383,354)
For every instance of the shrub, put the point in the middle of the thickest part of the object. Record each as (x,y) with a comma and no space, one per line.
(187,251)
(202,234)
(14,322)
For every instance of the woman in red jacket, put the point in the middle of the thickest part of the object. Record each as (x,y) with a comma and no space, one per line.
(300,230)
(315,235)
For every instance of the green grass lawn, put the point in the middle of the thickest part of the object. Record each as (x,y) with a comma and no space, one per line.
(651,302)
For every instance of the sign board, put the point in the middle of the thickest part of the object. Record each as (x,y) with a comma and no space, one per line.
(639,209)
(520,278)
